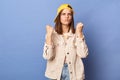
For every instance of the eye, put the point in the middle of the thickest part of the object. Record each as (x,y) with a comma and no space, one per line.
(70,14)
(63,14)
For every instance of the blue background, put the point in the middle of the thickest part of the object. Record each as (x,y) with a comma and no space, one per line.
(22,35)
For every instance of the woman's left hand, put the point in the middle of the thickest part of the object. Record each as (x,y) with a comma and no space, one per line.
(79,28)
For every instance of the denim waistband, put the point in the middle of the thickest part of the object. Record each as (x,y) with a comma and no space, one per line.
(65,65)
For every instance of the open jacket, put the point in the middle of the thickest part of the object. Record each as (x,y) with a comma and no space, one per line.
(74,49)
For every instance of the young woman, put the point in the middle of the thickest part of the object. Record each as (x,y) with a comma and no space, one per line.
(65,47)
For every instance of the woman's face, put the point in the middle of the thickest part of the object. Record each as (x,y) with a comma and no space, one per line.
(66,17)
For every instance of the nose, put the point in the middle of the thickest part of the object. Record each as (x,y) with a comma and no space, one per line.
(67,15)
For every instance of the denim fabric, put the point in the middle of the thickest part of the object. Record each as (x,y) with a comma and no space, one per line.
(65,73)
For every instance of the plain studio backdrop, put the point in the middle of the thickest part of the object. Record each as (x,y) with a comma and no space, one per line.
(22,36)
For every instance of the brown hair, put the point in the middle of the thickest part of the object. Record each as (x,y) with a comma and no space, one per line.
(58,25)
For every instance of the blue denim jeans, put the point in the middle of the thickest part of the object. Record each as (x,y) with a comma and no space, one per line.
(65,73)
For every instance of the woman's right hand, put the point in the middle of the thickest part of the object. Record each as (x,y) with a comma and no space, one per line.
(49,30)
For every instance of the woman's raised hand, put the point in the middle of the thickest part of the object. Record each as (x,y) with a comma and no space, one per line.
(49,30)
(79,29)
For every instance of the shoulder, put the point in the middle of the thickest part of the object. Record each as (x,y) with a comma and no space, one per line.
(55,35)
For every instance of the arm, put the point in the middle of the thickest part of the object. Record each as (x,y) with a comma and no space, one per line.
(81,47)
(48,46)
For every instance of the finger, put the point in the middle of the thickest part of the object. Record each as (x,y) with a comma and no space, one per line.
(81,24)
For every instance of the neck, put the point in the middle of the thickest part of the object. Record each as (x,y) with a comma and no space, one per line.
(65,28)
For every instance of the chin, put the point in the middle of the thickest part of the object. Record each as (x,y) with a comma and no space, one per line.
(67,23)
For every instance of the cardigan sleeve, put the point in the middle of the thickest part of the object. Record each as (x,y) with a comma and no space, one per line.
(48,51)
(81,47)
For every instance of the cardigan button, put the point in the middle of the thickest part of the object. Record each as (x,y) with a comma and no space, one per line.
(68,53)
(69,62)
